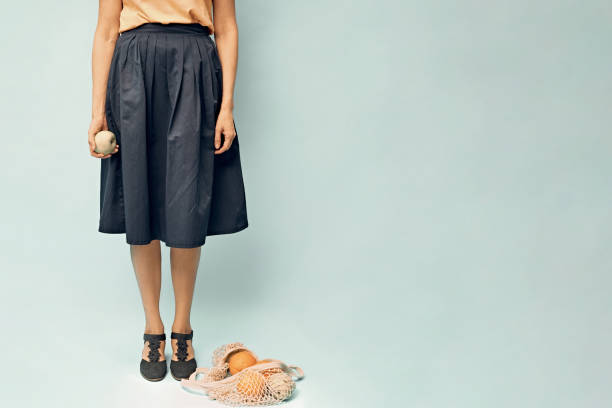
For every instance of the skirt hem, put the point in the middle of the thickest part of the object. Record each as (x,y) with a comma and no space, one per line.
(178,245)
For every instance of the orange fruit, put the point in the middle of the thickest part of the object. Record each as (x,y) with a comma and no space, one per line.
(240,360)
(251,384)
(265,360)
(268,371)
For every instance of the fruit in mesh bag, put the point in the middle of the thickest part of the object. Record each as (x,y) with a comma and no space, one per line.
(280,386)
(268,371)
(251,384)
(240,360)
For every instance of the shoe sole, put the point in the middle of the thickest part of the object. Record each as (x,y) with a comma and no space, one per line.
(152,379)
(178,378)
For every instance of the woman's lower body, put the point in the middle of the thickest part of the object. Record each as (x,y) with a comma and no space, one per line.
(165,184)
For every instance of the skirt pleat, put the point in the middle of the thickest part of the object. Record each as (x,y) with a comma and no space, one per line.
(166,183)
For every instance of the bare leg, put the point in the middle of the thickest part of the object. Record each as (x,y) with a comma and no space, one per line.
(146,260)
(184,264)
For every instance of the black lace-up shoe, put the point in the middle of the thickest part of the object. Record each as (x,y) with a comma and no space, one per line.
(182,368)
(153,370)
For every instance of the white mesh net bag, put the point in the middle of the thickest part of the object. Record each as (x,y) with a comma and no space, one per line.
(266,382)
(222,353)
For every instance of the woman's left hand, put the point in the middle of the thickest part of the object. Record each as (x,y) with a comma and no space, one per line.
(225,126)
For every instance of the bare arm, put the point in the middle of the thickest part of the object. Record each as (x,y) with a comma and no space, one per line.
(226,38)
(105,37)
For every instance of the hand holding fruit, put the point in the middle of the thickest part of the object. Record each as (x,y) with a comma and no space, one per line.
(102,143)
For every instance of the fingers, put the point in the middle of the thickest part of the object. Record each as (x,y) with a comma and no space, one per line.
(92,146)
(218,131)
(102,156)
(97,155)
(227,143)
(228,138)
(110,154)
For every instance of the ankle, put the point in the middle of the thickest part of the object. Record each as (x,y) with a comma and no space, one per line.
(154,328)
(181,328)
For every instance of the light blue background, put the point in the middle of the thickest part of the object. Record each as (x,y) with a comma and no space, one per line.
(428,186)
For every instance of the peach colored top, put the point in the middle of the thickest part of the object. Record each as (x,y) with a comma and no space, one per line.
(138,12)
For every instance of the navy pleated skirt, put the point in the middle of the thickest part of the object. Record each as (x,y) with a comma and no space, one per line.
(165,182)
